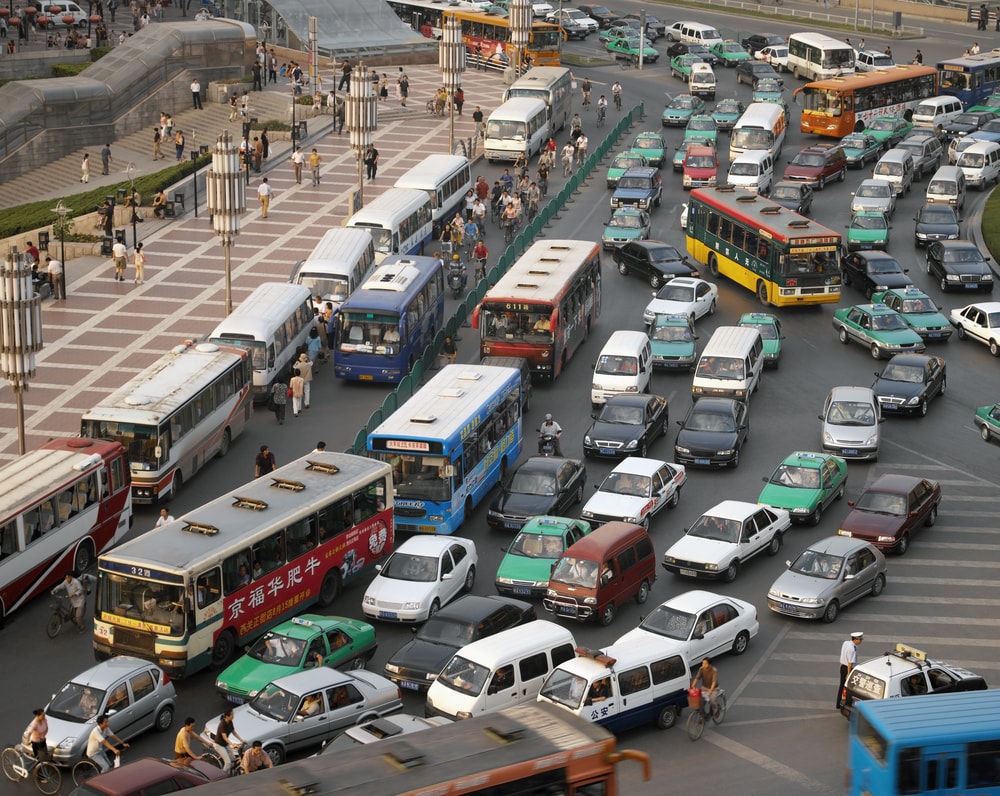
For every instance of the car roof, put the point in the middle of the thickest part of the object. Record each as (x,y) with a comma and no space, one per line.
(542,464)
(807,459)
(956,244)
(838,545)
(876,309)
(985,306)
(133,777)
(710,403)
(695,600)
(700,150)
(312,679)
(910,359)
(641,171)
(848,393)
(760,318)
(629,210)
(474,608)
(429,545)
(893,482)
(305,626)
(733,510)
(547,525)
(636,465)
(639,399)
(105,674)
(910,291)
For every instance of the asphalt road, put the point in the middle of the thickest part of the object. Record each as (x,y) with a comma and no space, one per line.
(781,734)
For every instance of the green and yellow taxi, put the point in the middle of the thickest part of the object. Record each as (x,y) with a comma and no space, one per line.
(680,65)
(526,566)
(918,310)
(805,484)
(681,152)
(627,223)
(727,112)
(680,109)
(889,130)
(701,126)
(629,47)
(651,146)
(623,162)
(770,332)
(729,52)
(673,342)
(880,329)
(988,420)
(991,104)
(303,642)
(618,31)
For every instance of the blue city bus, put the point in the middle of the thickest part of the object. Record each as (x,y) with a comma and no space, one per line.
(450,444)
(385,325)
(971,78)
(932,744)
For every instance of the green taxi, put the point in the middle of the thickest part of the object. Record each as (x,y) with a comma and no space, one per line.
(680,109)
(918,310)
(991,103)
(727,112)
(889,130)
(630,48)
(627,223)
(860,148)
(623,162)
(293,646)
(729,53)
(805,484)
(680,65)
(673,342)
(701,126)
(767,90)
(988,420)
(681,152)
(882,330)
(651,146)
(868,229)
(527,564)
(770,332)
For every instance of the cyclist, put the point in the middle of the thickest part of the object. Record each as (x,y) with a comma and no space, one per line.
(602,108)
(548,157)
(470,233)
(507,180)
(577,122)
(479,215)
(552,429)
(510,218)
(99,737)
(522,186)
(534,197)
(182,743)
(37,731)
(543,178)
(517,206)
(520,166)
(708,678)
(585,90)
(480,254)
(616,94)
(568,152)
(582,143)
(226,729)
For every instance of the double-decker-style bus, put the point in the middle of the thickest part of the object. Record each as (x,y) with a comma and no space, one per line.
(60,506)
(783,257)
(383,328)
(531,749)
(971,78)
(176,415)
(190,593)
(543,307)
(837,106)
(487,30)
(450,444)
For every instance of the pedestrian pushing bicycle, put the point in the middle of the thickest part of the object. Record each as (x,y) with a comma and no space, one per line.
(616,95)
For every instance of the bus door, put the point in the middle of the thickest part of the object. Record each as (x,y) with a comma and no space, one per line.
(932,770)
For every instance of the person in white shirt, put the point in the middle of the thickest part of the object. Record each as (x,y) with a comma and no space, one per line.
(848,660)
(164,518)
(74,589)
(97,739)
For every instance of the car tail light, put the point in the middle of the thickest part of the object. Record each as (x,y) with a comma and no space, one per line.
(399,692)
(164,678)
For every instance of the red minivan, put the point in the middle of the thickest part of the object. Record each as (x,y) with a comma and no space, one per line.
(701,167)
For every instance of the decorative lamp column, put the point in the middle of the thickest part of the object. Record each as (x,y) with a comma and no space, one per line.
(20,330)
(520,29)
(451,61)
(361,120)
(62,211)
(130,172)
(227,201)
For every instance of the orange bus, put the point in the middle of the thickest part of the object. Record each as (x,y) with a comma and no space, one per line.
(530,749)
(543,307)
(840,105)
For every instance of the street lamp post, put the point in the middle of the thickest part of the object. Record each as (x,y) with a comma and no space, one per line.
(227,201)
(451,61)
(130,171)
(361,118)
(62,211)
(20,330)
(520,27)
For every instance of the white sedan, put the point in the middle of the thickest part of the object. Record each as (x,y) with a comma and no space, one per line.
(634,491)
(724,537)
(683,295)
(702,623)
(423,574)
(979,322)
(776,55)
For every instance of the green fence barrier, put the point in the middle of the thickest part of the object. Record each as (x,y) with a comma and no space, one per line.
(405,388)
(360,442)
(390,403)
(451,326)
(417,371)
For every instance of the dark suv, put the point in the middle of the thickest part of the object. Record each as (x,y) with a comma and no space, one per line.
(641,186)
(816,165)
(758,41)
(605,16)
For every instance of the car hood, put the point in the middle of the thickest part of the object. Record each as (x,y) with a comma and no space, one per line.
(249,674)
(632,193)
(869,523)
(695,548)
(616,432)
(390,590)
(795,584)
(61,729)
(897,336)
(850,434)
(252,725)
(936,229)
(897,389)
(788,497)
(523,505)
(891,280)
(716,440)
(662,307)
(424,656)
(612,505)
(871,205)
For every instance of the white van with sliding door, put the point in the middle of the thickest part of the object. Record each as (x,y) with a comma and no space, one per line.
(935,112)
(761,128)
(731,364)
(752,171)
(519,126)
(981,164)
(623,367)
(947,187)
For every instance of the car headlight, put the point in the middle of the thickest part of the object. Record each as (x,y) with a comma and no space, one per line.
(632,445)
(391,667)
(412,605)
(872,440)
(539,584)
(986,278)
(728,452)
(66,743)
(586,439)
(952,277)
(712,567)
(913,401)
(492,513)
(590,601)
(800,510)
(633,520)
(587,515)
(369,600)
(887,538)
(504,581)
(827,437)
(632,388)
(681,449)
(773,593)
(220,684)
(811,601)
(550,593)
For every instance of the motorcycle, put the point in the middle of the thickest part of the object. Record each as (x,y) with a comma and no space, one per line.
(457,278)
(546,444)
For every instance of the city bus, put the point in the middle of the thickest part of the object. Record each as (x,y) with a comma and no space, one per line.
(931,744)
(450,444)
(175,416)
(190,593)
(841,105)
(535,748)
(542,309)
(446,179)
(272,324)
(551,84)
(490,31)
(971,78)
(815,56)
(341,261)
(785,258)
(60,507)
(386,324)
(400,221)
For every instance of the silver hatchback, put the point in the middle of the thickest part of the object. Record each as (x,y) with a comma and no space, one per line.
(851,416)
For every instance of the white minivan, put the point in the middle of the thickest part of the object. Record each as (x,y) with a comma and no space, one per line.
(623,366)
(981,164)
(752,171)
(499,671)
(935,112)
(731,363)
(342,260)
(947,187)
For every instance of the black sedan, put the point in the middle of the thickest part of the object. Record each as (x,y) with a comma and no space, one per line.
(542,485)
(655,27)
(873,270)
(627,425)
(705,55)
(968,122)
(653,260)
(935,222)
(417,663)
(605,16)
(909,382)
(795,196)
(959,265)
(712,433)
(750,71)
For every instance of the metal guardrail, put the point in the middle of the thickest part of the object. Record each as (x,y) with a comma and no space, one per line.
(865,23)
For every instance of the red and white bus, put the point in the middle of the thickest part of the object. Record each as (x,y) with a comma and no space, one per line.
(543,307)
(60,507)
(190,593)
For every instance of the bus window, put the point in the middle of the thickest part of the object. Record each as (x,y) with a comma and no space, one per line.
(209,587)
(268,553)
(300,538)
(236,571)
(64,505)
(8,539)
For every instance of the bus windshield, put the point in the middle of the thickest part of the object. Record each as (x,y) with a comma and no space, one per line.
(257,349)
(140,440)
(330,287)
(752,138)
(418,477)
(368,332)
(544,40)
(143,601)
(798,263)
(565,688)
(382,238)
(509,129)
(533,325)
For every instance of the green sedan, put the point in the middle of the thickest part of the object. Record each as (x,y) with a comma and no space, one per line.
(860,148)
(767,90)
(770,332)
(526,566)
(630,48)
(918,310)
(680,109)
(673,342)
(680,65)
(868,230)
(681,153)
(618,32)
(882,330)
(729,52)
(701,126)
(623,162)
(727,112)
(651,146)
(991,103)
(889,130)
(627,223)
(988,420)
(300,643)
(805,484)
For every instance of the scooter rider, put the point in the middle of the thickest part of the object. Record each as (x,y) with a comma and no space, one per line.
(550,428)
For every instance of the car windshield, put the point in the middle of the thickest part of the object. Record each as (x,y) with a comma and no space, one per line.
(627,484)
(648,143)
(973,160)
(919,305)
(786,192)
(536,545)
(682,103)
(796,477)
(701,162)
(616,365)
(883,125)
(464,676)
(962,255)
(882,503)
(884,266)
(854,142)
(639,183)
(576,572)
(938,214)
(812,161)
(75,703)
(625,415)
(626,162)
(275,703)
(701,124)
(565,688)
(887,323)
(681,293)
(851,413)
(767,331)
(728,106)
(406,566)
(743,169)
(532,483)
(663,254)
(874,190)
(716,529)
(278,649)
(447,630)
(669,622)
(818,565)
(672,334)
(626,221)
(721,368)
(718,422)
(911,374)
(869,222)
(767,84)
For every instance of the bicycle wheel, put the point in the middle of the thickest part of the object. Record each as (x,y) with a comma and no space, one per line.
(13,764)
(212,757)
(696,724)
(84,770)
(54,625)
(719,712)
(48,778)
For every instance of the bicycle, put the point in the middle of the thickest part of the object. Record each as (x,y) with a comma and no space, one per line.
(218,758)
(510,226)
(701,709)
(628,62)
(601,113)
(18,764)
(86,768)
(618,101)
(62,612)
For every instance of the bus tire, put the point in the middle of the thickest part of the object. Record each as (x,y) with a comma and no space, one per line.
(223,649)
(84,556)
(795,72)
(762,292)
(329,588)
(176,484)
(227,439)
(713,265)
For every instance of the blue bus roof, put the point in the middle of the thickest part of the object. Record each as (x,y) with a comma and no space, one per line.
(936,718)
(394,284)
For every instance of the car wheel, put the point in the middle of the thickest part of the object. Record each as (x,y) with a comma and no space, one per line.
(578,497)
(470,580)
(831,612)
(876,354)
(994,347)
(741,642)
(655,281)
(841,491)
(843,336)
(943,387)
(817,515)
(984,432)
(961,335)
(622,269)
(435,607)
(736,459)
(731,571)
(667,717)
(712,308)
(878,586)
(928,264)
(676,497)
(822,184)
(643,594)
(356,663)
(843,174)
(642,451)
(164,719)
(903,545)
(276,753)
(775,546)
(608,614)
(943,284)
(932,517)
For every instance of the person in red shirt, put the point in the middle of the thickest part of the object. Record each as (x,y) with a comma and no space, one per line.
(479,254)
(482,188)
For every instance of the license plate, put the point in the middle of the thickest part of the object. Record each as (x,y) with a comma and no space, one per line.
(568,609)
(850,451)
(387,615)
(689,572)
(512,526)
(366,377)
(934,334)
(236,700)
(409,684)
(702,461)
(521,591)
(606,451)
(972,286)
(786,607)
(890,407)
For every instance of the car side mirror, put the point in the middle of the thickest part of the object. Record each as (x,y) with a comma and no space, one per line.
(446,576)
(820,417)
(679,422)
(788,563)
(850,577)
(850,503)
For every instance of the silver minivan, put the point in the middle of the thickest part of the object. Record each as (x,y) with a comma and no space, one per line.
(896,167)
(947,186)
